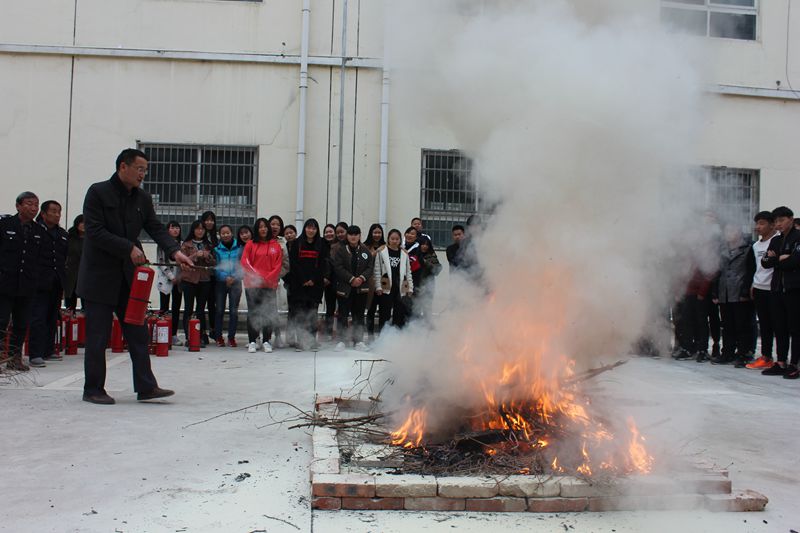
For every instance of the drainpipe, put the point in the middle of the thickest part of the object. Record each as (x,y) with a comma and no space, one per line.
(384,165)
(301,135)
(341,111)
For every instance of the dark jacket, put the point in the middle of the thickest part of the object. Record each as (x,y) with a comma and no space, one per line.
(114,218)
(52,258)
(307,262)
(19,257)
(342,265)
(74,252)
(786,275)
(732,283)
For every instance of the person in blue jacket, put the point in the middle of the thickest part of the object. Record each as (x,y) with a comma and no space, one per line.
(228,283)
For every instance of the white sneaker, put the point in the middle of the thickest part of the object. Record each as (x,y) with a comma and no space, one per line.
(267,347)
(340,347)
(361,347)
(251,348)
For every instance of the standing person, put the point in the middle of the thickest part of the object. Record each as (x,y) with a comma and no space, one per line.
(416,223)
(783,255)
(454,250)
(115,212)
(20,239)
(415,260)
(308,268)
(244,234)
(228,254)
(732,292)
(353,264)
(430,268)
(277,228)
(374,241)
(167,282)
(209,220)
(52,275)
(329,237)
(264,262)
(75,236)
(196,282)
(393,281)
(690,316)
(290,236)
(760,287)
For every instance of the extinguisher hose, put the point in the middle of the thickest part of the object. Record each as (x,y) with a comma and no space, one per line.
(174,265)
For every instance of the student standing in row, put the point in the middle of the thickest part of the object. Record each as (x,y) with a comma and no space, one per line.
(308,269)
(168,283)
(329,236)
(196,282)
(353,264)
(374,241)
(75,236)
(228,255)
(277,227)
(760,288)
(393,281)
(209,220)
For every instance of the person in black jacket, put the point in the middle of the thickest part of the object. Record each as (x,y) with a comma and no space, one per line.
(52,277)
(74,251)
(20,239)
(115,212)
(353,265)
(783,255)
(308,268)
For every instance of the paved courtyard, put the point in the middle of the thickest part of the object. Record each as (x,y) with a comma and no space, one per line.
(137,467)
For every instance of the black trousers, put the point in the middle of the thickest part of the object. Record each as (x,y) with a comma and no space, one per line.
(392,306)
(691,323)
(377,302)
(164,306)
(352,305)
(737,328)
(714,323)
(763,305)
(786,318)
(211,304)
(98,330)
(44,313)
(330,308)
(306,317)
(195,296)
(15,309)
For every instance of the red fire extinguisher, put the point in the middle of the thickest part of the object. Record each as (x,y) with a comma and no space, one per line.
(139,298)
(168,318)
(194,335)
(81,318)
(72,338)
(117,345)
(57,337)
(162,337)
(153,332)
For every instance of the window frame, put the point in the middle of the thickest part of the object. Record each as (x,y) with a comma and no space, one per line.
(712,195)
(711,6)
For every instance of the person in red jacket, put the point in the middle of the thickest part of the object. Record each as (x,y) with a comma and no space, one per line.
(689,316)
(264,263)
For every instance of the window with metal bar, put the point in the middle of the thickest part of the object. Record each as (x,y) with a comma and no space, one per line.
(733,194)
(186,180)
(448,193)
(730,19)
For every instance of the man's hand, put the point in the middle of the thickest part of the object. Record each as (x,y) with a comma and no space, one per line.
(357,282)
(326,281)
(229,281)
(379,292)
(771,253)
(309,283)
(137,256)
(183,260)
(784,257)
(715,301)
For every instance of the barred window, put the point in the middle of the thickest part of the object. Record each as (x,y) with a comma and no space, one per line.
(448,193)
(733,194)
(731,19)
(186,180)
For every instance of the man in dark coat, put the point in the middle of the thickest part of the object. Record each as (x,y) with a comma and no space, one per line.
(52,276)
(353,264)
(115,212)
(20,238)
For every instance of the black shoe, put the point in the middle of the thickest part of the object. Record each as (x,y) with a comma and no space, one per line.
(742,362)
(681,354)
(101,399)
(791,372)
(701,357)
(715,351)
(154,394)
(721,360)
(774,370)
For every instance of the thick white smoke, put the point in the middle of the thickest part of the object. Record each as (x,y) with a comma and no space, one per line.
(580,122)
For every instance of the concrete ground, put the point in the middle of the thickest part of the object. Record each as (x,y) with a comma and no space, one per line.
(136,467)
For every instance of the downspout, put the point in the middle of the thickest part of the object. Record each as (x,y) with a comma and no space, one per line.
(341,111)
(301,135)
(384,164)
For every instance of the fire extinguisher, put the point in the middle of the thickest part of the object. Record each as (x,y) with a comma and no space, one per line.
(162,337)
(72,338)
(139,299)
(57,337)
(153,332)
(117,345)
(81,318)
(194,335)
(168,318)
(65,318)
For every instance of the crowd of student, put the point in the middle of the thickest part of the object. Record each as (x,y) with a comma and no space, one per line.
(752,291)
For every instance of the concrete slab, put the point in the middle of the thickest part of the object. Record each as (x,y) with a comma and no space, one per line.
(71,466)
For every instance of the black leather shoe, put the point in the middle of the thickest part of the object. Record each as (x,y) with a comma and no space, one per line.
(102,399)
(154,394)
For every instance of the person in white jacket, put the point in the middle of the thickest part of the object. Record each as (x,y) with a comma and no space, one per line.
(393,282)
(167,282)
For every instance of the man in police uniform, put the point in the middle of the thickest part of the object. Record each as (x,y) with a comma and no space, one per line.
(115,212)
(20,238)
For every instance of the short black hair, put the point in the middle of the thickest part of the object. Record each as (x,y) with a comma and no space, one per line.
(782,211)
(353,230)
(175,224)
(129,155)
(410,229)
(415,218)
(764,215)
(344,225)
(291,227)
(46,205)
(27,195)
(457,227)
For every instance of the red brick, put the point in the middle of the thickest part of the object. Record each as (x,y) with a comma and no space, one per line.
(373,504)
(435,504)
(326,503)
(557,505)
(496,505)
(739,501)
(343,485)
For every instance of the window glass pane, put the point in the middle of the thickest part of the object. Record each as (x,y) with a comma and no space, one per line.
(688,21)
(742,3)
(690,2)
(733,26)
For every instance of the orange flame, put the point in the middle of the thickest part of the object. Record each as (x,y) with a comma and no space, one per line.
(641,460)
(409,435)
